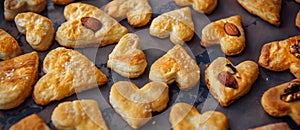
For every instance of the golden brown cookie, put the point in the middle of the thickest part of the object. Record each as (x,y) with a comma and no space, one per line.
(127,59)
(13,7)
(275,126)
(78,115)
(201,6)
(283,100)
(9,47)
(176,65)
(88,26)
(38,29)
(228,32)
(67,72)
(282,55)
(298,1)
(62,2)
(227,82)
(17,76)
(186,117)
(268,10)
(297,20)
(137,12)
(136,105)
(31,122)
(177,24)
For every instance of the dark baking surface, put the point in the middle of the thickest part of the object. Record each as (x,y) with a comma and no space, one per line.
(243,114)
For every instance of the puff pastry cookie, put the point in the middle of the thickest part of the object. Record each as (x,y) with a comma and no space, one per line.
(268,10)
(17,76)
(13,7)
(186,117)
(177,24)
(127,59)
(282,55)
(88,26)
(227,82)
(228,32)
(201,6)
(136,105)
(137,12)
(283,100)
(78,115)
(62,2)
(67,72)
(176,65)
(297,21)
(38,29)
(275,126)
(9,47)
(31,122)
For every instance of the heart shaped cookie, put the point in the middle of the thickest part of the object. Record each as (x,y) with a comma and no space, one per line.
(78,115)
(67,72)
(9,47)
(137,12)
(282,55)
(177,24)
(136,105)
(38,29)
(88,26)
(186,117)
(13,7)
(17,76)
(283,100)
(127,59)
(226,82)
(201,6)
(268,10)
(176,65)
(228,32)
(32,122)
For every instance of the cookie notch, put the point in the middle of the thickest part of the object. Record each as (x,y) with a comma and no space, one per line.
(66,72)
(137,12)
(227,32)
(282,55)
(79,29)
(176,65)
(126,58)
(177,24)
(244,75)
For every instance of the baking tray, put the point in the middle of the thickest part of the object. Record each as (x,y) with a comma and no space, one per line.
(245,113)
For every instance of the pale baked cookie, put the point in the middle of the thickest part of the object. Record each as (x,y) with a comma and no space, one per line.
(228,32)
(201,6)
(38,29)
(283,100)
(136,105)
(62,2)
(13,7)
(67,72)
(297,20)
(176,65)
(9,47)
(282,55)
(78,115)
(88,26)
(227,82)
(184,116)
(17,76)
(275,126)
(31,122)
(137,12)
(127,59)
(268,10)
(177,24)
